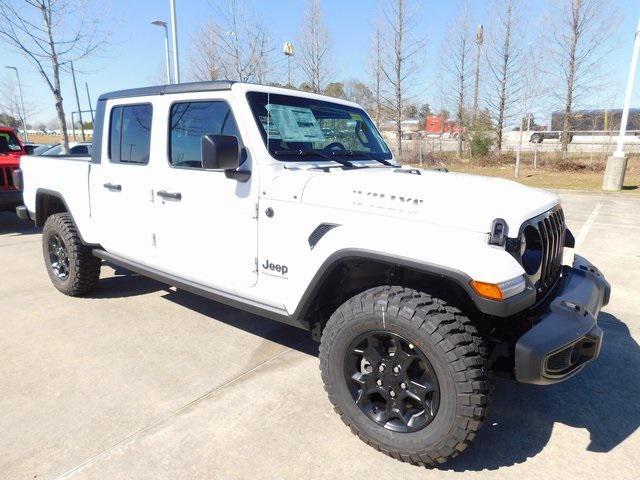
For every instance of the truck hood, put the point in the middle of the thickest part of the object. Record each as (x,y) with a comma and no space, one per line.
(462,201)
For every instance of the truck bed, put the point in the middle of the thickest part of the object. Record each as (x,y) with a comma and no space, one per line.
(66,177)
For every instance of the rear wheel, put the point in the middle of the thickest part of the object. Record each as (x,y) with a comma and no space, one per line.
(70,264)
(405,371)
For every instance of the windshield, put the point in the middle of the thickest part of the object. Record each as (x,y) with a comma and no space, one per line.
(298,128)
(9,143)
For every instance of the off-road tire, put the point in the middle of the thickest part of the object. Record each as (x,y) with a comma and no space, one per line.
(83,267)
(451,344)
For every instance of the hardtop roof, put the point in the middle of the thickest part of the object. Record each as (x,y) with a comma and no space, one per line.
(188,87)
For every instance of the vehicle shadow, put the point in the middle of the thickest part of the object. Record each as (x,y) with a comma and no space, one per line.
(11,224)
(271,330)
(125,284)
(601,399)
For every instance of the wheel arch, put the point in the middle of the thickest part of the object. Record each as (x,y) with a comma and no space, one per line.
(49,202)
(348,272)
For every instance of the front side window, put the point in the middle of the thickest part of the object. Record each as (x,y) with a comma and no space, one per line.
(295,128)
(190,121)
(130,134)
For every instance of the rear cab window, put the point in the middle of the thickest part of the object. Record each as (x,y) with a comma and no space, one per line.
(130,133)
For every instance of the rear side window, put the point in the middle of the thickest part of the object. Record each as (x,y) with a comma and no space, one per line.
(189,122)
(130,134)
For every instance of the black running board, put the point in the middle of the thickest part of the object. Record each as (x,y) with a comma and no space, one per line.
(226,298)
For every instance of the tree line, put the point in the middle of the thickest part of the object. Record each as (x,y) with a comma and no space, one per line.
(487,76)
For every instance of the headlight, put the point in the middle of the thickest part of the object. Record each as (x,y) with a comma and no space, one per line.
(500,291)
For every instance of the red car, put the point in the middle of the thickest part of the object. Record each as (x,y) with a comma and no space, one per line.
(11,150)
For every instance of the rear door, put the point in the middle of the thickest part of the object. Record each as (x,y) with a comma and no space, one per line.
(122,183)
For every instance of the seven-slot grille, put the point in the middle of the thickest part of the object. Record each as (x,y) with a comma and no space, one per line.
(552,231)
(6,178)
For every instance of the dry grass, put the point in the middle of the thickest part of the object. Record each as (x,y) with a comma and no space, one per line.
(577,173)
(53,139)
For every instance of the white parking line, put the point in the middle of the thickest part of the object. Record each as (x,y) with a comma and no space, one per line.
(584,230)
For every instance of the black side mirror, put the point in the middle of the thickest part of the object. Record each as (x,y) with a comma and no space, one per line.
(220,152)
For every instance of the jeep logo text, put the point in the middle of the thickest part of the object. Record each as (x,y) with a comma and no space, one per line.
(283,269)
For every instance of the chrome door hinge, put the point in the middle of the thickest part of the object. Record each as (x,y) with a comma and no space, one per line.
(256,212)
(255,269)
(153,239)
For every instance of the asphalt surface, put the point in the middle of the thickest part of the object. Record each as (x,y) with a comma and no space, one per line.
(140,381)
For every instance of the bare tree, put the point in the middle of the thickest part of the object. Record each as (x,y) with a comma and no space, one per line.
(476,86)
(10,99)
(314,48)
(505,64)
(376,69)
(203,58)
(233,45)
(457,62)
(579,30)
(50,34)
(400,60)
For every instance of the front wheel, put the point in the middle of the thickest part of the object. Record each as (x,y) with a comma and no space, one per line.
(405,371)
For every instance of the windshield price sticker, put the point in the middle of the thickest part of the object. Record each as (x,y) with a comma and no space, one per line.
(295,124)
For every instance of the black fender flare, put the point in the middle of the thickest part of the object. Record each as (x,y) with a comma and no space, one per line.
(503,308)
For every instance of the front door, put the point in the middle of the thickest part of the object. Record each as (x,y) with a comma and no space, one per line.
(206,222)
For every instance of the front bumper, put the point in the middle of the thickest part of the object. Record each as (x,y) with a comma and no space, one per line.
(567,337)
(10,199)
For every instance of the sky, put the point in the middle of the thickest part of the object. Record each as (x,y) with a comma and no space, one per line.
(135,54)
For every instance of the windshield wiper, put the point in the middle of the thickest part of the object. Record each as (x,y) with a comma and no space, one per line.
(313,153)
(351,153)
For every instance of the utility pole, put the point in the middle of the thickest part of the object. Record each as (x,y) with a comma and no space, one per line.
(75,87)
(160,23)
(25,134)
(288,51)
(174,35)
(86,85)
(617,163)
(479,42)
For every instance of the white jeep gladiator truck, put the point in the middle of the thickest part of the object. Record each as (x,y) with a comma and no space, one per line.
(419,284)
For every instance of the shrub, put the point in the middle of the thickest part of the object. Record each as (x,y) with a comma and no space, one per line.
(481,143)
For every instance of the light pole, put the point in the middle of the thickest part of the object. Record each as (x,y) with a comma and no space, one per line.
(174,35)
(617,163)
(287,48)
(75,87)
(160,23)
(24,120)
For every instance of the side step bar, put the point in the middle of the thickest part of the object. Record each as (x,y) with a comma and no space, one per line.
(226,298)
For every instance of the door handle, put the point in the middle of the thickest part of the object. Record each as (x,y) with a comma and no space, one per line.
(171,195)
(113,187)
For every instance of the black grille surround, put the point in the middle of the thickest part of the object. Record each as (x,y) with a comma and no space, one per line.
(6,178)
(552,229)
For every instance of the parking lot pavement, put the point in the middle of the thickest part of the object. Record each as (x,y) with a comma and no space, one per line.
(142,381)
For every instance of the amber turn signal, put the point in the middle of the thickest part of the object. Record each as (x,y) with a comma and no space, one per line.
(487,290)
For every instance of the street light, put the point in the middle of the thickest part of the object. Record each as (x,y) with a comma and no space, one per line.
(617,163)
(24,120)
(174,35)
(160,23)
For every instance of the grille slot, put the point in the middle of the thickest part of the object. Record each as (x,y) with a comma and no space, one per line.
(6,178)
(552,231)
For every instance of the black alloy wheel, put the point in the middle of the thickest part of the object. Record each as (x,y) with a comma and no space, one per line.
(391,381)
(59,257)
